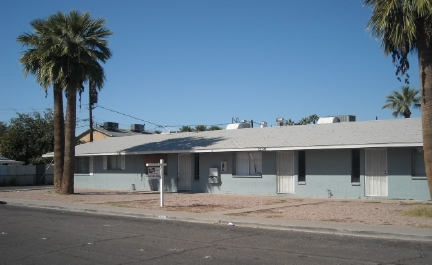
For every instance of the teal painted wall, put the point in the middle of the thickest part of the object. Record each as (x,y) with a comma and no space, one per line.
(133,175)
(327,171)
(401,184)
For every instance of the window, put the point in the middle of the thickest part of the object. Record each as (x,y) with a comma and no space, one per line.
(355,165)
(84,165)
(115,162)
(196,167)
(302,166)
(418,165)
(248,163)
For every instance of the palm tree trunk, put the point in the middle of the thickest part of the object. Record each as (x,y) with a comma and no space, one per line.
(59,137)
(69,160)
(425,67)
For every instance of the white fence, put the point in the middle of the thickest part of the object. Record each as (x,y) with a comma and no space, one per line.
(26,175)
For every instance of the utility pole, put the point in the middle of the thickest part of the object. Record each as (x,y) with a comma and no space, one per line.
(92,100)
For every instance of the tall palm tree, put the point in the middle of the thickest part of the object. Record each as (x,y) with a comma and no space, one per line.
(39,60)
(401,103)
(65,52)
(405,26)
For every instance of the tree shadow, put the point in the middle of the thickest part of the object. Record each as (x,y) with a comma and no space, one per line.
(175,144)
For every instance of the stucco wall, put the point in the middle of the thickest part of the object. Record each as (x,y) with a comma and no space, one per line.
(132,177)
(402,184)
(328,172)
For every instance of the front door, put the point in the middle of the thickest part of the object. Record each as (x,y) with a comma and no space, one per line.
(184,172)
(376,182)
(285,172)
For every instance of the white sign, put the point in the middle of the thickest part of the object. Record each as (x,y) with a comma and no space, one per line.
(154,173)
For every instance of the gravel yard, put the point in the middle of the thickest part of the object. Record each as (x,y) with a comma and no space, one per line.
(381,212)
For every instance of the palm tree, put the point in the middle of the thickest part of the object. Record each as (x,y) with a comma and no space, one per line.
(200,128)
(405,26)
(186,128)
(401,103)
(214,128)
(40,61)
(65,51)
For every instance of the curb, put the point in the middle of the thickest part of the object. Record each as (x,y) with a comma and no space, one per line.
(240,223)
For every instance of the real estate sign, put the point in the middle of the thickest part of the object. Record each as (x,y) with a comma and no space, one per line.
(153,173)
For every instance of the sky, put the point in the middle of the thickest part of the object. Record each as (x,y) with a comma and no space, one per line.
(209,62)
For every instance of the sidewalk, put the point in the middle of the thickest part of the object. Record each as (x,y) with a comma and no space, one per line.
(221,218)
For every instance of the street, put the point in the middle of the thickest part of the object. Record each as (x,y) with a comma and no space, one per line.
(38,236)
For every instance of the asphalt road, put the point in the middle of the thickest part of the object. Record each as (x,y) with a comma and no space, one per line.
(36,236)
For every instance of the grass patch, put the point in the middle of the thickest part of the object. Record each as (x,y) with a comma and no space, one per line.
(419,211)
(273,216)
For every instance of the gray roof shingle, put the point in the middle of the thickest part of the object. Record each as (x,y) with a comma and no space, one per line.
(381,133)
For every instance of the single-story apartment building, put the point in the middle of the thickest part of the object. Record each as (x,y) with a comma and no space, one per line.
(367,159)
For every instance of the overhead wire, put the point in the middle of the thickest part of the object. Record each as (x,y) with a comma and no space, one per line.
(155,124)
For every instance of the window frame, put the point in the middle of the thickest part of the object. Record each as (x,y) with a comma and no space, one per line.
(257,164)
(355,166)
(196,166)
(80,162)
(416,162)
(120,161)
(301,176)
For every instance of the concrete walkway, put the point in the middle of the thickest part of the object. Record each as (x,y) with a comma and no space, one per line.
(234,217)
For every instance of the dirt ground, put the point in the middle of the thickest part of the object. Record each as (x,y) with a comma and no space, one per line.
(381,212)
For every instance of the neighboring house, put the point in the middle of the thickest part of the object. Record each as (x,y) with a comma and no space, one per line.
(369,159)
(111,129)
(4,161)
(15,173)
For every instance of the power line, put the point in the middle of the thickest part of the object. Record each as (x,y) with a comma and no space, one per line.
(130,116)
(157,125)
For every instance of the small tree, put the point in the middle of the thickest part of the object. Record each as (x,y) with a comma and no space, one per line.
(3,128)
(28,137)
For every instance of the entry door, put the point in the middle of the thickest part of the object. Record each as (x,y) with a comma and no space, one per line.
(184,172)
(285,172)
(376,182)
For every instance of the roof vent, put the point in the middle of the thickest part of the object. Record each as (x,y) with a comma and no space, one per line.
(110,126)
(324,120)
(137,127)
(280,121)
(241,125)
(263,124)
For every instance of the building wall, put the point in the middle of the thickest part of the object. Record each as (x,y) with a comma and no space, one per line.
(402,184)
(133,177)
(96,136)
(328,174)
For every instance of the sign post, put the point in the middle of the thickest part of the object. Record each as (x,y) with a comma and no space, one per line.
(161,183)
(156,171)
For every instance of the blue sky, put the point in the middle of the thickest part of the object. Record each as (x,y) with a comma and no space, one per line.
(191,62)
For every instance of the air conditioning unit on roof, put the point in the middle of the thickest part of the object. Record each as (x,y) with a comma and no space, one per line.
(110,126)
(137,127)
